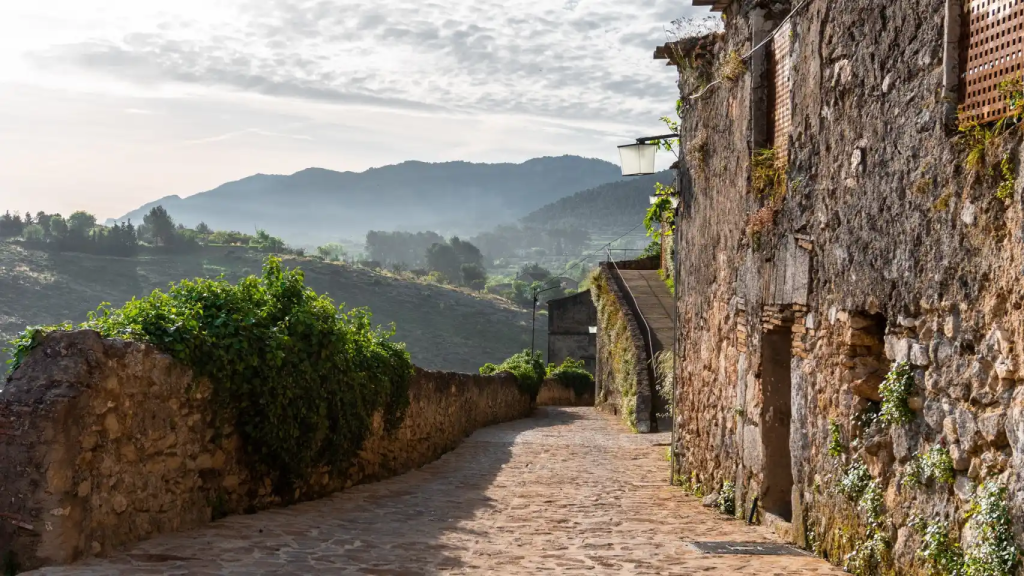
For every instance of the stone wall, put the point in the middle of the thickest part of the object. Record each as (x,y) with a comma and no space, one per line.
(569,322)
(884,248)
(554,393)
(105,443)
(624,384)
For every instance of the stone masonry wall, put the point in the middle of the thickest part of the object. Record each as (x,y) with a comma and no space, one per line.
(106,442)
(623,381)
(554,393)
(884,249)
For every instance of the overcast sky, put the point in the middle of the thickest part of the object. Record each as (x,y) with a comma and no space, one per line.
(108,104)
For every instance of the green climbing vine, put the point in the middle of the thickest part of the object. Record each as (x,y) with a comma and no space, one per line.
(895,391)
(935,464)
(726,503)
(835,440)
(300,379)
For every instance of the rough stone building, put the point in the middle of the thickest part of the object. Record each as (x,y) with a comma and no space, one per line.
(569,322)
(849,266)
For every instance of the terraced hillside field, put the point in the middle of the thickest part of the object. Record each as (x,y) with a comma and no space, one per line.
(443,328)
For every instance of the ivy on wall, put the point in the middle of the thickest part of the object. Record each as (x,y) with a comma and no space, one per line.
(300,379)
(616,340)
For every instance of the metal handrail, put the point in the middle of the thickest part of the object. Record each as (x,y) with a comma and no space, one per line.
(647,327)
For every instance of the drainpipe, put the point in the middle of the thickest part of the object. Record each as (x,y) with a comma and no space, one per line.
(675,317)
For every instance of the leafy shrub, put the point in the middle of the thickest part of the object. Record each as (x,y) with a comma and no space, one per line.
(33,233)
(299,379)
(940,553)
(529,372)
(895,390)
(835,439)
(995,553)
(935,464)
(1008,179)
(726,503)
(572,375)
(854,481)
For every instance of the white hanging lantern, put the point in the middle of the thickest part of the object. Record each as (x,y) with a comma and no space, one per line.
(637,159)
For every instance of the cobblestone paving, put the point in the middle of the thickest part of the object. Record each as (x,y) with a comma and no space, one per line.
(568,491)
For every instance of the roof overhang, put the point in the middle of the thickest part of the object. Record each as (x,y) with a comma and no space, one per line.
(716,5)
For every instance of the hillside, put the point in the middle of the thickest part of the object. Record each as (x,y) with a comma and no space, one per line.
(611,207)
(442,328)
(316,206)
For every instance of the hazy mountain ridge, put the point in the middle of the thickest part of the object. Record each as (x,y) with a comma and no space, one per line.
(615,206)
(317,205)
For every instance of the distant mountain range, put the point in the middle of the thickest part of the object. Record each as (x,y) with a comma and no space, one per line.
(317,205)
(615,206)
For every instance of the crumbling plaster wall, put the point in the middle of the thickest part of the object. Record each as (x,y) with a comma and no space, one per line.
(899,236)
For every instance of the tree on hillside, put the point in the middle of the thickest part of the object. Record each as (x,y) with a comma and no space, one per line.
(468,253)
(474,276)
(43,220)
(26,219)
(160,226)
(80,223)
(444,259)
(11,225)
(33,233)
(332,252)
(203,229)
(58,226)
(264,242)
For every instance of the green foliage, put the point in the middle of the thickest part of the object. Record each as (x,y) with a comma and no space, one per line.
(660,212)
(1008,179)
(835,439)
(297,377)
(572,375)
(726,503)
(81,222)
(935,464)
(33,233)
(941,555)
(895,390)
(474,276)
(264,242)
(529,372)
(670,282)
(995,552)
(652,249)
(854,481)
(332,252)
(160,226)
(870,553)
(767,175)
(21,345)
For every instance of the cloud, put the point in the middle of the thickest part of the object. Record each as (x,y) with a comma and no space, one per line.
(237,133)
(483,57)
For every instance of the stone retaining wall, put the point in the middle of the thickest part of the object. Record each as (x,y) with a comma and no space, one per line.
(106,442)
(623,382)
(554,393)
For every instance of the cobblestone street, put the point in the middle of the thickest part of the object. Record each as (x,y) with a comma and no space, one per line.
(567,491)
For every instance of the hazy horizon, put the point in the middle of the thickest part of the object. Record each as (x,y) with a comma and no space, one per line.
(107,107)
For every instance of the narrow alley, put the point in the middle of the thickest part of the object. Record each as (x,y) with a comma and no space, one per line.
(569,490)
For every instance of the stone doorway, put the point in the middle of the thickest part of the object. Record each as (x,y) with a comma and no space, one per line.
(776,383)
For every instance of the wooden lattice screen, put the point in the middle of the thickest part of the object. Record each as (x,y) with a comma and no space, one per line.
(995,41)
(780,69)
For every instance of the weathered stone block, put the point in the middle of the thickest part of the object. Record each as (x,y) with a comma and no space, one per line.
(993,428)
(961,460)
